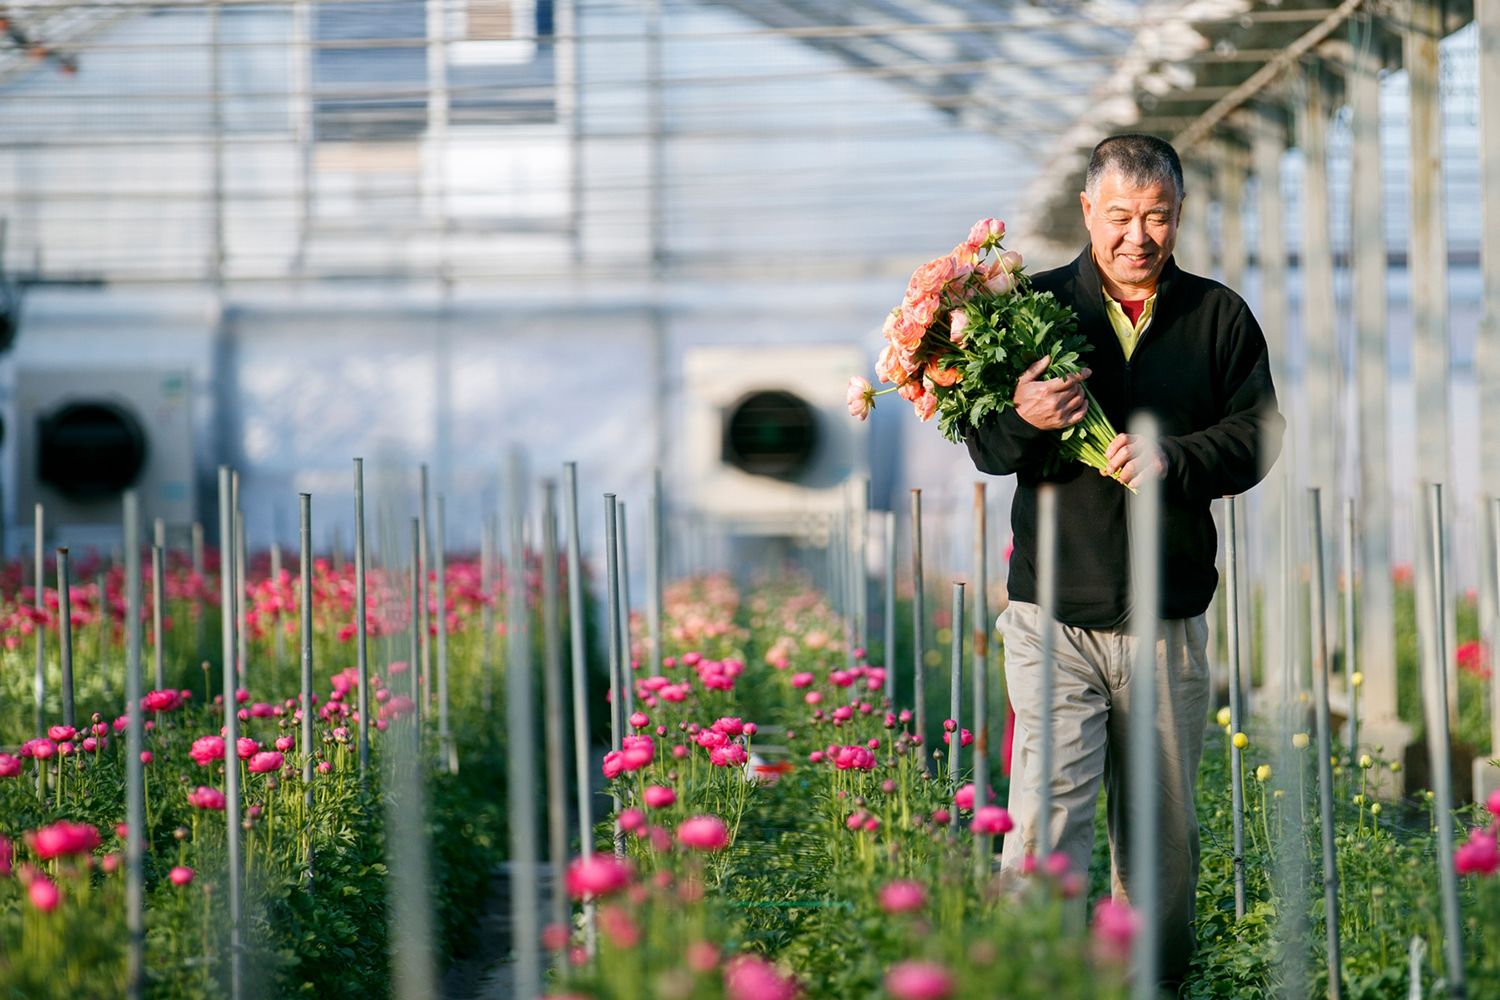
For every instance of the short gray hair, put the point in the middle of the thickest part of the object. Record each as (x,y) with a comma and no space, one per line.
(1139,159)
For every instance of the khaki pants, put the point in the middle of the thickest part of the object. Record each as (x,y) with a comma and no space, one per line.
(1091,736)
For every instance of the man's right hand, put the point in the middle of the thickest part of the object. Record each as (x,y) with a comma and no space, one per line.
(1053,404)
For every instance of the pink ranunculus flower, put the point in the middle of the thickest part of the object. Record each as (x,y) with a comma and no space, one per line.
(920,313)
(204,797)
(919,981)
(701,956)
(991,820)
(285,743)
(1493,803)
(181,875)
(207,749)
(1002,282)
(729,755)
(43,749)
(63,839)
(860,396)
(43,893)
(750,977)
(803,680)
(247,747)
(930,278)
(902,896)
(984,233)
(7,855)
(703,833)
(1010,261)
(325,767)
(594,877)
(925,405)
(9,766)
(266,761)
(958,323)
(631,820)
(61,734)
(659,797)
(1479,856)
(640,720)
(1112,930)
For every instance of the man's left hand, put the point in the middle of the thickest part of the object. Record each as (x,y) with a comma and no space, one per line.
(1129,456)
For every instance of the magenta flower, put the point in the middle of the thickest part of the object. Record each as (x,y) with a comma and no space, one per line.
(247,747)
(206,798)
(325,767)
(750,977)
(919,981)
(701,956)
(63,838)
(60,734)
(703,833)
(1113,930)
(181,875)
(41,749)
(964,797)
(640,720)
(597,876)
(1480,856)
(659,797)
(266,762)
(902,896)
(941,817)
(7,854)
(9,766)
(285,743)
(992,820)
(732,755)
(631,820)
(44,895)
(802,680)
(729,727)
(207,749)
(1493,803)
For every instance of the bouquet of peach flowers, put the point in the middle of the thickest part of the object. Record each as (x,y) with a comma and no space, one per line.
(967,329)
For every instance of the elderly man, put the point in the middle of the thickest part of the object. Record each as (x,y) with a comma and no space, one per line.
(1188,350)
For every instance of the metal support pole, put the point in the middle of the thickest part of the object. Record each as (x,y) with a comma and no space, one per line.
(653,574)
(627,643)
(1430,600)
(1350,632)
(65,633)
(1145,550)
(135,745)
(1325,743)
(525,934)
(919,662)
(612,622)
(414,632)
(862,566)
(981,647)
(200,631)
(1046,587)
(557,778)
(305,572)
(1494,512)
(39,592)
(1487,343)
(956,695)
(579,651)
(424,595)
(889,624)
(1236,709)
(449,749)
(158,594)
(361,618)
(104,633)
(227,575)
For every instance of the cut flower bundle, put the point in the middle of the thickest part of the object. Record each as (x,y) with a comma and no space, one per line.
(967,329)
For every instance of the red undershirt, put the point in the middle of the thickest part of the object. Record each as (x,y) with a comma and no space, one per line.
(1133,309)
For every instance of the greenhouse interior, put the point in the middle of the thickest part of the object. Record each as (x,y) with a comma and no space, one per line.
(695,688)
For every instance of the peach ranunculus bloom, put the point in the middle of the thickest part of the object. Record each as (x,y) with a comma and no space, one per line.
(920,313)
(1001,283)
(1011,261)
(911,391)
(925,404)
(907,336)
(930,278)
(942,376)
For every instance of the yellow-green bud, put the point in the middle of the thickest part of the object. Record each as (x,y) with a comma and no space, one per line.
(1395,766)
(1366,762)
(1263,773)
(1356,679)
(1224,716)
(1375,809)
(1277,794)
(1359,800)
(1241,741)
(1299,740)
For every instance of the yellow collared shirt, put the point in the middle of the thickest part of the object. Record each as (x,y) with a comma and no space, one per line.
(1128,333)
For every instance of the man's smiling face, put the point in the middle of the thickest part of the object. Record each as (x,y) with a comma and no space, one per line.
(1133,229)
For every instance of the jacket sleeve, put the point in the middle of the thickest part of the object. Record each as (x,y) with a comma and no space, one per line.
(1232,455)
(1006,443)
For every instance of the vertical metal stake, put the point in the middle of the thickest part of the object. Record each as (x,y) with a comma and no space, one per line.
(981,643)
(654,526)
(627,643)
(39,588)
(305,572)
(1236,710)
(1319,623)
(1145,554)
(890,609)
(919,663)
(227,577)
(158,595)
(448,749)
(135,744)
(557,778)
(361,619)
(579,651)
(956,698)
(65,633)
(1046,588)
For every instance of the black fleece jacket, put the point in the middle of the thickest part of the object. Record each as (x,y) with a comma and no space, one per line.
(1200,367)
